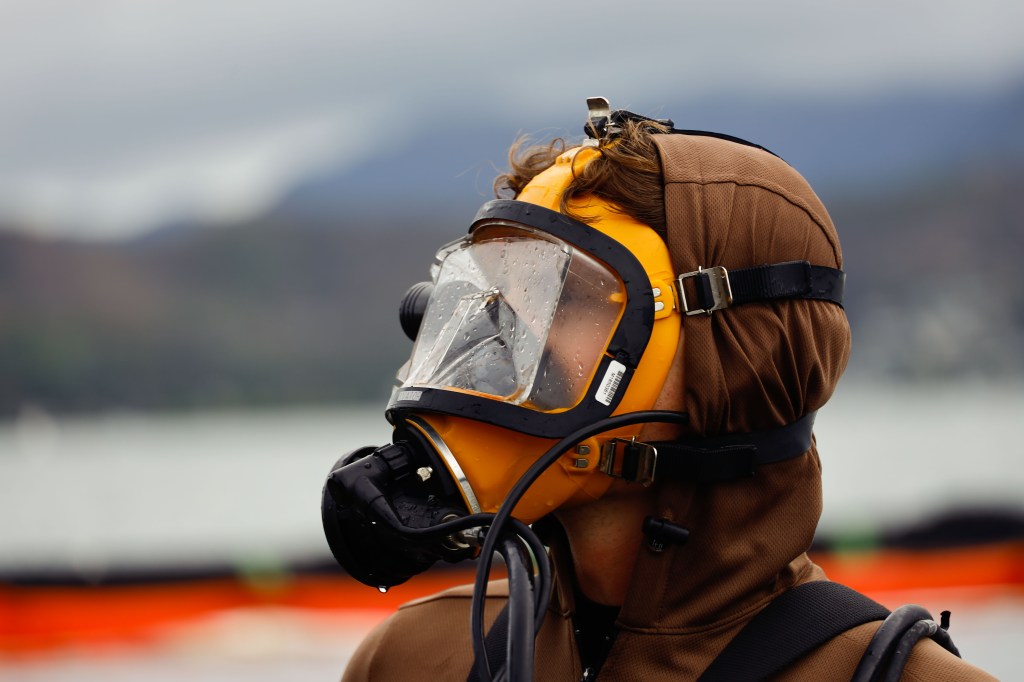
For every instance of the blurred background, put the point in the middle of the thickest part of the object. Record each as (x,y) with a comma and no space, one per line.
(209,213)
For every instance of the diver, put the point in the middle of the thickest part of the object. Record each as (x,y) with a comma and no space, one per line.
(613,386)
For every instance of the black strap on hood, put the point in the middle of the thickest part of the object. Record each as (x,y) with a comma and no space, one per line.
(717,288)
(713,459)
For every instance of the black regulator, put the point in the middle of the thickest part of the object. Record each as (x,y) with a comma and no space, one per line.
(381,510)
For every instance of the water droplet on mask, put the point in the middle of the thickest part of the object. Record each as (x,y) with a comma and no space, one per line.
(382,589)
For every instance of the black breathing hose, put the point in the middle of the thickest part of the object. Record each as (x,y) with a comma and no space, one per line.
(895,638)
(519,647)
(945,641)
(898,661)
(541,579)
(496,531)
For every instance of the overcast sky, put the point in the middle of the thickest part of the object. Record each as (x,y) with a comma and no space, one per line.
(116,115)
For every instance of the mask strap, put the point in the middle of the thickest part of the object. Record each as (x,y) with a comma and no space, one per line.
(713,459)
(717,288)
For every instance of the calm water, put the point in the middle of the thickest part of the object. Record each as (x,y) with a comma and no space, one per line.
(245,487)
(136,488)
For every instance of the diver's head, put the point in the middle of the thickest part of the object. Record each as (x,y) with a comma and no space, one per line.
(541,320)
(647,267)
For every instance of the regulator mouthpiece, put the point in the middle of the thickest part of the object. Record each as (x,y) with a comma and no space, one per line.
(378,507)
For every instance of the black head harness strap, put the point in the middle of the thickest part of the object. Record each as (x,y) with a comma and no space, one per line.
(717,288)
(713,459)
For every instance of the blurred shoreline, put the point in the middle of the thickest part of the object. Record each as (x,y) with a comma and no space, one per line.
(242,487)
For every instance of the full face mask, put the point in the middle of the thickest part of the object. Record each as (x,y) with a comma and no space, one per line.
(536,325)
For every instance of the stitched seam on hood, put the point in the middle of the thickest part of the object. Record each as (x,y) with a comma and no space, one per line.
(774,189)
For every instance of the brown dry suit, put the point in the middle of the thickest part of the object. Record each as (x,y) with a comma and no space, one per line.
(749,368)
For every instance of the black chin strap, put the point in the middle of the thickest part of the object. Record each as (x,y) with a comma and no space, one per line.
(706,460)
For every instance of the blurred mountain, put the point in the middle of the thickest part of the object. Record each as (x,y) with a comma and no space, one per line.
(301,304)
(874,146)
(269,312)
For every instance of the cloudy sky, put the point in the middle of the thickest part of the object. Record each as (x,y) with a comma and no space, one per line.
(117,115)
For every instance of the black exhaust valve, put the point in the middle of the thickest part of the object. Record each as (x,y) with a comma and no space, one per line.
(379,508)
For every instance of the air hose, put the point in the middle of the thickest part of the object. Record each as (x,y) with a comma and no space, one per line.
(890,648)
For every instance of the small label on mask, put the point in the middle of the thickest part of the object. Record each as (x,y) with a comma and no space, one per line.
(409,395)
(610,383)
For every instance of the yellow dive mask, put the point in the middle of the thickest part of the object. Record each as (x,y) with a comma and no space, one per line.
(538,324)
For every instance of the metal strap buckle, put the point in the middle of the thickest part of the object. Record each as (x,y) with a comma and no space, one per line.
(721,290)
(636,461)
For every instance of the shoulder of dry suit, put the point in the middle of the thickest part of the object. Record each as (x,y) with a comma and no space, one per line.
(429,637)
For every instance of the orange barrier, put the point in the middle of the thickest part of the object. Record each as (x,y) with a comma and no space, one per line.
(34,619)
(894,569)
(936,579)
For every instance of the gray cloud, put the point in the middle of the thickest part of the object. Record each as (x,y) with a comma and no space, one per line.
(119,115)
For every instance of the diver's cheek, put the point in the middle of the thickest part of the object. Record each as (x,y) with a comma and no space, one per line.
(672,397)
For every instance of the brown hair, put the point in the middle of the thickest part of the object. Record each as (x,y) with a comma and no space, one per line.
(627,174)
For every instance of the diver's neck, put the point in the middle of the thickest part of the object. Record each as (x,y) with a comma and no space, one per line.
(605,537)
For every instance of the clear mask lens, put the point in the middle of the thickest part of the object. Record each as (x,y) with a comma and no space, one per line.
(516,315)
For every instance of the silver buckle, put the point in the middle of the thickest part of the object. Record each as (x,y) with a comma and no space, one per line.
(721,290)
(599,113)
(643,466)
